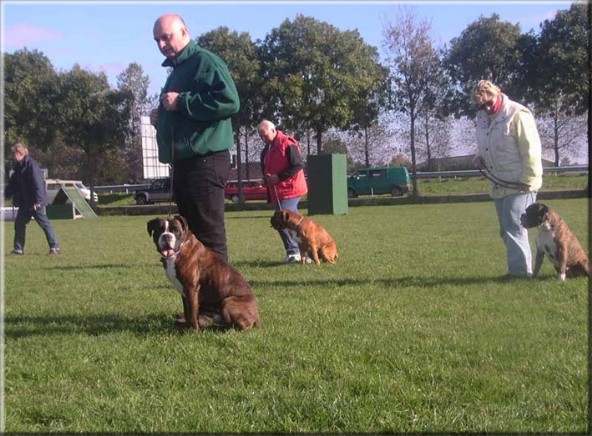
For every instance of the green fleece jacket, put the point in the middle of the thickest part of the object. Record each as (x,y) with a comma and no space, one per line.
(208,98)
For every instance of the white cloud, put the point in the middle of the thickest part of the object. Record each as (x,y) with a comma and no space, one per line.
(26,35)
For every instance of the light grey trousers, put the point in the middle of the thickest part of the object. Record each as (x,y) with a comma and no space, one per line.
(515,237)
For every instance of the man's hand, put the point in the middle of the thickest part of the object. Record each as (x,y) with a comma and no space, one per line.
(154,117)
(271,179)
(169,100)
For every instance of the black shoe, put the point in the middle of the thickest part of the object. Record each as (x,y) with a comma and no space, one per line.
(54,251)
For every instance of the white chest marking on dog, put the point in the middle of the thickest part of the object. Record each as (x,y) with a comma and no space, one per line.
(546,243)
(171,274)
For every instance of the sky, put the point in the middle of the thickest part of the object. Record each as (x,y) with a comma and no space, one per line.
(107,36)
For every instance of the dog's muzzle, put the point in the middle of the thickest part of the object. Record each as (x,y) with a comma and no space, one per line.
(167,245)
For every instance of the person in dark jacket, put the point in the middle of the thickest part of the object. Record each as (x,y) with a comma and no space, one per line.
(194,129)
(26,186)
(283,171)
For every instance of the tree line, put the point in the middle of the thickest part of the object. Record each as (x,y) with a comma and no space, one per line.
(325,86)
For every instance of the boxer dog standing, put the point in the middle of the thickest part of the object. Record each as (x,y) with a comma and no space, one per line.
(556,240)
(311,237)
(213,292)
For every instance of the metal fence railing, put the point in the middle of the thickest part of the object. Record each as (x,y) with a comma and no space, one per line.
(476,173)
(127,188)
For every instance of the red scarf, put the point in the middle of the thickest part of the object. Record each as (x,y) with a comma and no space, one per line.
(497,105)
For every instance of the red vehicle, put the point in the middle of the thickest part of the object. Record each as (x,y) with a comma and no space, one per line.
(252,190)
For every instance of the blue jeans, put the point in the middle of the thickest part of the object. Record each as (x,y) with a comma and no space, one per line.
(23,217)
(290,244)
(515,236)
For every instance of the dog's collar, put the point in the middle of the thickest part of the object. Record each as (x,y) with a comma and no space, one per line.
(298,223)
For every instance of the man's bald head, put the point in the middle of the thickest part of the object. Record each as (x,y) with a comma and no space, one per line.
(171,35)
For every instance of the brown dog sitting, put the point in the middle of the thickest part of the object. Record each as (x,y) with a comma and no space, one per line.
(213,292)
(556,240)
(311,237)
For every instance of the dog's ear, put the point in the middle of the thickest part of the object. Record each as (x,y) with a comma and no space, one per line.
(285,216)
(183,222)
(543,211)
(275,218)
(152,226)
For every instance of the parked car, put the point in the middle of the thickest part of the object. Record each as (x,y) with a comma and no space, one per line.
(376,181)
(158,191)
(252,190)
(53,187)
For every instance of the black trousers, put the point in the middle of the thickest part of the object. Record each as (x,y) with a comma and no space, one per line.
(198,187)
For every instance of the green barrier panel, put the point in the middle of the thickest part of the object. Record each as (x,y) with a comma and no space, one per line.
(327,184)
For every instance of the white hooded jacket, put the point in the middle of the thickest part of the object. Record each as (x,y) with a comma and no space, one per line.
(509,145)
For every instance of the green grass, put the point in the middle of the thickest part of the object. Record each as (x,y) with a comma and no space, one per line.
(480,185)
(409,332)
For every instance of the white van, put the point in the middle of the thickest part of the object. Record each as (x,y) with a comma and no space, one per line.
(53,186)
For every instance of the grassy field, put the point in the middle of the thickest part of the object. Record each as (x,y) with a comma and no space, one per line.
(411,331)
(480,185)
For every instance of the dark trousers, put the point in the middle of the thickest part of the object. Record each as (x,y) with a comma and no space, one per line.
(23,217)
(198,186)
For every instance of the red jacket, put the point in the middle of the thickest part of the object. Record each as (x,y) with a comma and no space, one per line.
(282,157)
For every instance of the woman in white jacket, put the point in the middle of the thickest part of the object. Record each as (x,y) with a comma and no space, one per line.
(509,153)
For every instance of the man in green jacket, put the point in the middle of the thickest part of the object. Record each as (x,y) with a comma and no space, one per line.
(194,129)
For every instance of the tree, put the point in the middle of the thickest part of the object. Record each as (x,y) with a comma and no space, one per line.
(400,160)
(369,108)
(371,145)
(135,83)
(414,65)
(433,130)
(29,99)
(562,67)
(240,54)
(91,116)
(487,49)
(316,75)
(61,161)
(562,134)
(557,76)
(433,138)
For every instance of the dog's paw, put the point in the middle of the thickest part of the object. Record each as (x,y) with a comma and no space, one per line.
(561,277)
(180,324)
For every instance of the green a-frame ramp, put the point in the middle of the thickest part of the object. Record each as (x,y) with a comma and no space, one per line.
(69,204)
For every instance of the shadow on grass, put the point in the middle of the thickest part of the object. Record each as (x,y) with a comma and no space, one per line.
(98,266)
(257,263)
(16,327)
(396,282)
(236,217)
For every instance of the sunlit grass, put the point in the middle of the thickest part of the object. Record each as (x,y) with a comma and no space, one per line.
(409,332)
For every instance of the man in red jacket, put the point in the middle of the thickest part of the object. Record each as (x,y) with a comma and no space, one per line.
(283,171)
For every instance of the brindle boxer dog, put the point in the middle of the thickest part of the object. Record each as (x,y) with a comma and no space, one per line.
(556,240)
(213,292)
(311,237)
